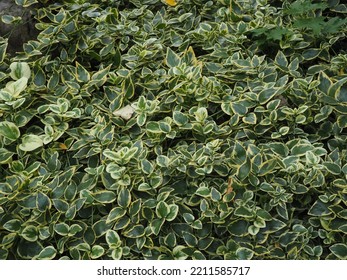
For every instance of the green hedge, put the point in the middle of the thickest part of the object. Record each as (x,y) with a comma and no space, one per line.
(193,129)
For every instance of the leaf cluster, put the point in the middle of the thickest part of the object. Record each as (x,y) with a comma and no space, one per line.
(204,130)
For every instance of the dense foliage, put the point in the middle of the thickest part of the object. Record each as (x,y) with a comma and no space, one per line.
(193,129)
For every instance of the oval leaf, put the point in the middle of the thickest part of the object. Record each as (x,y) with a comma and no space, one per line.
(9,130)
(47,253)
(339,250)
(30,142)
(113,239)
(19,70)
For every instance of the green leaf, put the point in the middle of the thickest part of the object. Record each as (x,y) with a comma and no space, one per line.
(201,114)
(288,238)
(74,229)
(173,212)
(100,228)
(25,3)
(71,212)
(146,166)
(156,225)
(96,252)
(276,33)
(319,209)
(294,65)
(153,127)
(239,108)
(60,205)
(190,239)
(244,169)
(250,118)
(3,49)
(62,229)
(179,118)
(203,191)
(244,212)
(266,94)
(141,103)
(339,250)
(279,148)
(281,59)
(30,142)
(115,214)
(3,252)
(164,127)
(130,153)
(141,119)
(335,89)
(100,76)
(265,215)
(9,130)
(124,198)
(301,149)
(19,70)
(325,82)
(243,253)
(82,74)
(162,209)
(253,230)
(39,77)
(117,253)
(342,121)
(189,218)
(172,59)
(215,195)
(30,233)
(162,161)
(135,207)
(43,202)
(15,88)
(47,253)
(238,228)
(135,231)
(13,225)
(267,167)
(170,240)
(5,188)
(111,155)
(105,196)
(332,167)
(312,53)
(179,253)
(6,95)
(128,88)
(112,238)
(301,7)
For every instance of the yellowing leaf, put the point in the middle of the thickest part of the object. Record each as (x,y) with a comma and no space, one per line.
(230,186)
(62,146)
(171,3)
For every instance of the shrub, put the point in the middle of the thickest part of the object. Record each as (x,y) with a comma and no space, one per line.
(195,129)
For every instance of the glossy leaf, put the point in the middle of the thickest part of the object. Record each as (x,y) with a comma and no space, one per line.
(9,130)
(30,142)
(19,70)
